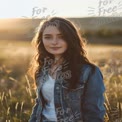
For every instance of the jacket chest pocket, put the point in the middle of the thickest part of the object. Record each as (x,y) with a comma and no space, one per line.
(73,100)
(74,94)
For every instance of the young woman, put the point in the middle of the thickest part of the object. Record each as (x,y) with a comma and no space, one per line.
(69,87)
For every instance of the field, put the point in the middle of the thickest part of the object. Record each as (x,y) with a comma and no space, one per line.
(16,88)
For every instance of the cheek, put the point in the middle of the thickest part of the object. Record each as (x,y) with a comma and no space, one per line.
(65,45)
(46,43)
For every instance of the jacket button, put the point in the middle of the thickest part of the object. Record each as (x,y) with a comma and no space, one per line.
(57,87)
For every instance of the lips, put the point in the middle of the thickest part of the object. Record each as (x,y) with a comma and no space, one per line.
(55,48)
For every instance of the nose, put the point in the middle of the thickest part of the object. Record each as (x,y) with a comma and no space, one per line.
(54,41)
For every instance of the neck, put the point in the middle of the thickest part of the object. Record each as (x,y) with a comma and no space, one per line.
(57,57)
(58,60)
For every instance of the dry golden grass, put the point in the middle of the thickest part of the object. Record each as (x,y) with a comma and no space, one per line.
(16,92)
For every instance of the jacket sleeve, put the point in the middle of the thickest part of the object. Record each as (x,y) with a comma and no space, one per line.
(93,104)
(34,110)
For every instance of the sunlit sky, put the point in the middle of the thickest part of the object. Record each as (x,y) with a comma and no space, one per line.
(65,8)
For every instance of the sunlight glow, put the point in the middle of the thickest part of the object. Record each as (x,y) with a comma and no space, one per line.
(66,8)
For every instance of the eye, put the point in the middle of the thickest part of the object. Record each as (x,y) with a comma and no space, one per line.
(61,36)
(47,37)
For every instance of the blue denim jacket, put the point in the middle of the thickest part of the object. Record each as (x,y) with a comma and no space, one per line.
(83,104)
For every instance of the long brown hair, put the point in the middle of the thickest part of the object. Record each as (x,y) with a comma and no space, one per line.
(75,54)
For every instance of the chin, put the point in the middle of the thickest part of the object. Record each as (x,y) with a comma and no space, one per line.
(56,53)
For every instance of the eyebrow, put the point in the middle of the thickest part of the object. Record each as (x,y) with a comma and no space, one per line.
(51,34)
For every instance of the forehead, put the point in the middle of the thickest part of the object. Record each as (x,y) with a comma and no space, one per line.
(51,30)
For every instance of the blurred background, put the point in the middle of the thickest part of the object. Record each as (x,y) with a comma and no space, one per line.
(99,21)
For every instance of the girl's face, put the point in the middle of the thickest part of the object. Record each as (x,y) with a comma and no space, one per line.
(53,41)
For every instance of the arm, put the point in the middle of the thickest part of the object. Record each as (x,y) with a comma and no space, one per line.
(93,104)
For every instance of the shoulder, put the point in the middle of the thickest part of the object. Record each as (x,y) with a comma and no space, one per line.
(89,70)
(93,77)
